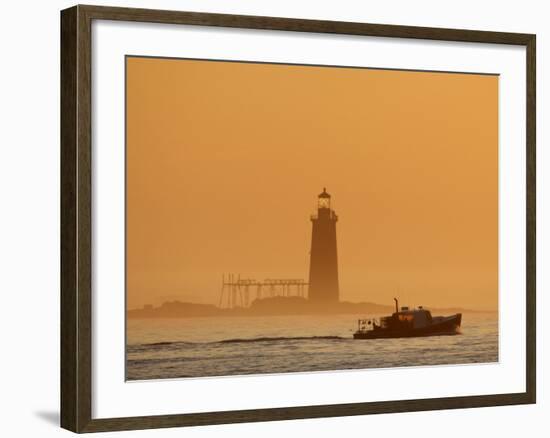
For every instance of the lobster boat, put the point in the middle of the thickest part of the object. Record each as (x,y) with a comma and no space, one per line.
(406,323)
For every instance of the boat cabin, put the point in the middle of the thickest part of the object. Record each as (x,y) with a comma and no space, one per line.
(405,318)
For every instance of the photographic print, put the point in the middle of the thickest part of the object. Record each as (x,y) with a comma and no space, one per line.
(289,218)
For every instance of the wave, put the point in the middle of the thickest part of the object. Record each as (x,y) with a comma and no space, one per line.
(279,338)
(242,340)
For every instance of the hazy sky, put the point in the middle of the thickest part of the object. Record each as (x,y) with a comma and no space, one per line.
(225,161)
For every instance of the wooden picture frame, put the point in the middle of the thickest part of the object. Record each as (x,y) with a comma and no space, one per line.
(76,217)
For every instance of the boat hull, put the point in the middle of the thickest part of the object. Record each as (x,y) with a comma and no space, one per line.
(449,325)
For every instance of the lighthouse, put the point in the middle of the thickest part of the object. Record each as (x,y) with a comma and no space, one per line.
(323,264)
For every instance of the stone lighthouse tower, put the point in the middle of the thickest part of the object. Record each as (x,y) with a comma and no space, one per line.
(323,265)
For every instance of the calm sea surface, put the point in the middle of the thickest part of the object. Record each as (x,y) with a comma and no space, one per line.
(195,347)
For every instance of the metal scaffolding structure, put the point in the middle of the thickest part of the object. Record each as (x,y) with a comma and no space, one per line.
(236,291)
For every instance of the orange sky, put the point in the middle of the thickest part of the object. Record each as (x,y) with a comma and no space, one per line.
(225,160)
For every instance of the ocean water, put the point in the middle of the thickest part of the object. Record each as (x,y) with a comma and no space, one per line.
(199,347)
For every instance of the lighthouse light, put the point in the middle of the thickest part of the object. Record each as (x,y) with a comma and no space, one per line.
(324,202)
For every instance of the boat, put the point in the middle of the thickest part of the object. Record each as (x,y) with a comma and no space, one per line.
(407,323)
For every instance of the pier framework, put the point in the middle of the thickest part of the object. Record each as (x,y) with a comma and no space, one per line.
(237,291)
